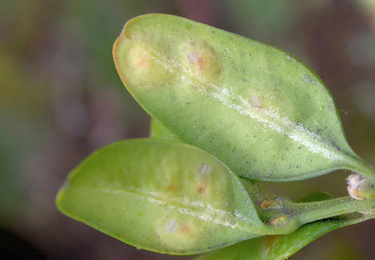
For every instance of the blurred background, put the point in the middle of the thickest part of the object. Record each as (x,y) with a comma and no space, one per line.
(61,98)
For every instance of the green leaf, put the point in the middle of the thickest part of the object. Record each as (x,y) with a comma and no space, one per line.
(161,196)
(254,107)
(282,247)
(158,131)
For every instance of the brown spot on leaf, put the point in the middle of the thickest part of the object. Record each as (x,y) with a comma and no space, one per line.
(140,59)
(201,62)
(270,240)
(185,229)
(197,59)
(201,189)
(255,102)
(143,63)
(144,66)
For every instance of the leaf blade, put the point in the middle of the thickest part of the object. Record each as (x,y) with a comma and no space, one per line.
(158,131)
(160,196)
(246,103)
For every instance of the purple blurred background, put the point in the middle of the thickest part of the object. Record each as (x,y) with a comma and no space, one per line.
(61,98)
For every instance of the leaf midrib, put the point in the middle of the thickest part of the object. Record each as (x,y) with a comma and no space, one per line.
(198,209)
(270,118)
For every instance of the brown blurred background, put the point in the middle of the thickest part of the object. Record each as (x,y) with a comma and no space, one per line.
(61,98)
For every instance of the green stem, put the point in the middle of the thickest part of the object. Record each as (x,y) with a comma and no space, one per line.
(361,167)
(313,211)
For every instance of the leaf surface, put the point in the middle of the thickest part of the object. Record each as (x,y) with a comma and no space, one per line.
(254,107)
(158,131)
(161,196)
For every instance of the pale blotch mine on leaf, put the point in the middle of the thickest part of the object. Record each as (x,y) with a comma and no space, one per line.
(255,102)
(146,68)
(200,63)
(178,234)
(194,57)
(140,59)
(205,169)
(171,226)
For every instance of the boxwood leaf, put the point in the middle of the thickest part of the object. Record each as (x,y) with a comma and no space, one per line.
(161,196)
(254,107)
(158,131)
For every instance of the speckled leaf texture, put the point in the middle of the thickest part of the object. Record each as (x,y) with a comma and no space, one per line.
(161,196)
(254,107)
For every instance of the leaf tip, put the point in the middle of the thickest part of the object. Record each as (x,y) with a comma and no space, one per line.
(60,196)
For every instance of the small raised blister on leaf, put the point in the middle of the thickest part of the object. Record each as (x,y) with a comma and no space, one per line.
(260,111)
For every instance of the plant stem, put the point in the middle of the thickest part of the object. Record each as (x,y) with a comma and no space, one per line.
(312,211)
(361,167)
